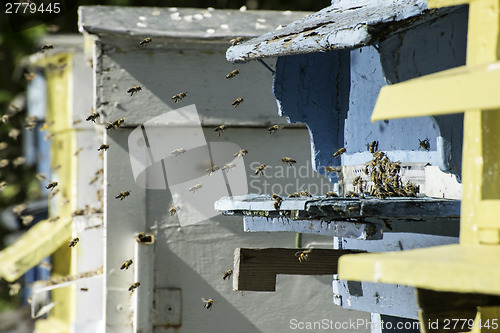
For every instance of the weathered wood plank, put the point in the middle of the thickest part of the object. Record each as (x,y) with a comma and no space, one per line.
(256,269)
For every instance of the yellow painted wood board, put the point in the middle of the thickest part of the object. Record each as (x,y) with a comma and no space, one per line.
(457,268)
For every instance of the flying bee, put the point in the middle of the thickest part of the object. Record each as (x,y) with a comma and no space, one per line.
(18,161)
(178,97)
(208,303)
(294,195)
(195,188)
(93,180)
(260,169)
(305,194)
(54,219)
(127,264)
(93,116)
(173,210)
(241,153)
(134,286)
(26,220)
(178,151)
(3,185)
(303,255)
(220,129)
(84,289)
(99,172)
(78,151)
(46,125)
(373,147)
(14,133)
(232,74)
(51,185)
(57,167)
(237,102)
(5,118)
(30,125)
(77,121)
(3,145)
(212,169)
(73,242)
(103,147)
(115,124)
(332,169)
(227,274)
(273,129)
(133,90)
(424,144)
(339,152)
(236,40)
(4,163)
(19,209)
(53,194)
(145,41)
(331,194)
(30,76)
(228,167)
(288,160)
(46,47)
(122,195)
(14,288)
(78,212)
(49,136)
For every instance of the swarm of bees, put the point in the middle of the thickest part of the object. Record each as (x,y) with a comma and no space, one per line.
(133,90)
(127,264)
(277,201)
(145,41)
(303,255)
(288,160)
(237,102)
(339,152)
(73,242)
(227,274)
(208,303)
(178,97)
(232,74)
(220,129)
(134,286)
(260,169)
(122,195)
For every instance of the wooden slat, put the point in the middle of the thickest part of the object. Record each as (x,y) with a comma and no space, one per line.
(256,269)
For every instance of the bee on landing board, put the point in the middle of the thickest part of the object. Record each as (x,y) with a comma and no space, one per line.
(133,90)
(145,41)
(178,97)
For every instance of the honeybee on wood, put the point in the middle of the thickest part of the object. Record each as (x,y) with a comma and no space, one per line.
(73,242)
(333,169)
(220,129)
(288,160)
(351,194)
(208,303)
(122,195)
(5,118)
(339,152)
(18,161)
(26,220)
(241,153)
(134,286)
(145,41)
(178,151)
(195,188)
(51,185)
(305,194)
(236,40)
(54,193)
(78,151)
(93,116)
(424,144)
(294,195)
(303,255)
(133,90)
(277,201)
(273,129)
(227,274)
(14,133)
(178,97)
(103,147)
(46,47)
(331,194)
(373,147)
(127,264)
(260,169)
(232,74)
(237,102)
(173,210)
(228,166)
(212,169)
